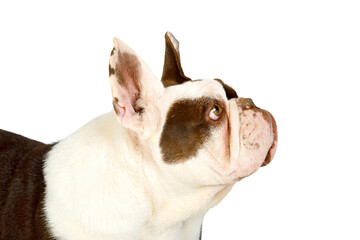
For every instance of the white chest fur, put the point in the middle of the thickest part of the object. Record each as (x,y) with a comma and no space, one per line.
(100,186)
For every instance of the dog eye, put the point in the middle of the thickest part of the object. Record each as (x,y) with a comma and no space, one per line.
(215,112)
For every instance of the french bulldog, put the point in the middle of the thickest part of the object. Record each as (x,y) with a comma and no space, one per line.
(149,170)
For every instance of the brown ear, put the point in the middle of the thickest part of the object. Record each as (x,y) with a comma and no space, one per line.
(230,92)
(172,71)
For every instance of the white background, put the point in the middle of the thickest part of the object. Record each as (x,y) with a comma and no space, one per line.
(298,59)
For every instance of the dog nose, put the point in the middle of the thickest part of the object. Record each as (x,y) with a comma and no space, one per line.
(246,103)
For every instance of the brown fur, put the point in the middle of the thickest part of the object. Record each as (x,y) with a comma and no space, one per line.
(187,128)
(127,68)
(230,92)
(111,70)
(22,188)
(173,73)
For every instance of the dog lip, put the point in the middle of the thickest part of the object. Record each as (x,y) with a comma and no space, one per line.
(272,149)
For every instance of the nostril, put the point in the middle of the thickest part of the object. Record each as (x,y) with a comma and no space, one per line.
(246,103)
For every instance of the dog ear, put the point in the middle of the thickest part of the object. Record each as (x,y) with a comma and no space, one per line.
(133,85)
(172,71)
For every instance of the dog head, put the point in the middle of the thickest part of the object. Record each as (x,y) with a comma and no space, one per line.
(198,132)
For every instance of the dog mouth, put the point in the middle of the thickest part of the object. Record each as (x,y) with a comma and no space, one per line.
(272,149)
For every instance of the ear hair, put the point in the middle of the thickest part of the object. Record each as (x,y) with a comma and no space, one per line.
(172,72)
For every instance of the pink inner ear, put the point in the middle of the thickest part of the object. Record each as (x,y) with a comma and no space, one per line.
(120,111)
(124,106)
(128,73)
(132,92)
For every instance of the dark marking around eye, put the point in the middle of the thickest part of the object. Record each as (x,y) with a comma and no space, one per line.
(186,129)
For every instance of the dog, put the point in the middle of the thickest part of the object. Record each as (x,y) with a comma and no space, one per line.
(150,169)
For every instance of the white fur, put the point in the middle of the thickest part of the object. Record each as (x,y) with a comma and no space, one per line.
(108,179)
(100,186)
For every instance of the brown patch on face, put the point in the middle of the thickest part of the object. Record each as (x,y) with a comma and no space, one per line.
(230,92)
(187,128)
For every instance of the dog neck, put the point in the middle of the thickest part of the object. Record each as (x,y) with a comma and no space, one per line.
(89,171)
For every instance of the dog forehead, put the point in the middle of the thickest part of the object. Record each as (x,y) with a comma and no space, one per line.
(193,90)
